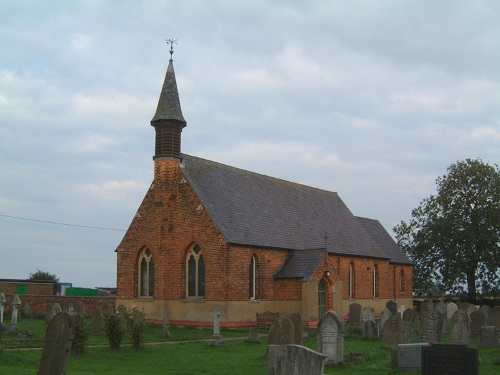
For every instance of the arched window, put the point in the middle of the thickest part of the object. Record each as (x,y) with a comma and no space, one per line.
(146,273)
(375,281)
(195,271)
(352,275)
(252,276)
(322,298)
(402,286)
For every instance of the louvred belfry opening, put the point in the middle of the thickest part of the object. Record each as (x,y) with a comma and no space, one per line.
(168,120)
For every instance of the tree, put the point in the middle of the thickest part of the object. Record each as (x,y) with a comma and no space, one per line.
(453,237)
(46,276)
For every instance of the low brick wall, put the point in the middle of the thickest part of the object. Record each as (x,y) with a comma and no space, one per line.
(39,303)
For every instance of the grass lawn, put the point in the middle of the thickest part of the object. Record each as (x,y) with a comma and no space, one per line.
(236,357)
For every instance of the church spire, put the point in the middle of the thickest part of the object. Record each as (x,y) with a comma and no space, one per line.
(168,120)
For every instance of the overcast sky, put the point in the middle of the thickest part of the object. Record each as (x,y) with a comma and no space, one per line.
(371,99)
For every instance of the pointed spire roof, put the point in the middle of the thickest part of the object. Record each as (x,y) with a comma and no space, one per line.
(169,105)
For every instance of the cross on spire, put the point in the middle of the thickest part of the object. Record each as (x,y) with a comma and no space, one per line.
(172,42)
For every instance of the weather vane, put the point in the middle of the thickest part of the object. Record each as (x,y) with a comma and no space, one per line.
(172,42)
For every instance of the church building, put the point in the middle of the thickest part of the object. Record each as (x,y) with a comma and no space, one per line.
(208,233)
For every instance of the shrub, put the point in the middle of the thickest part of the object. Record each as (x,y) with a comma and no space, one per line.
(136,326)
(114,330)
(81,336)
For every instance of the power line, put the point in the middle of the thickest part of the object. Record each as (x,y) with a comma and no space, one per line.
(66,224)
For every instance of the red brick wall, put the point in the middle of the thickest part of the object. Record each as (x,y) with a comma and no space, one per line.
(9,287)
(39,303)
(171,220)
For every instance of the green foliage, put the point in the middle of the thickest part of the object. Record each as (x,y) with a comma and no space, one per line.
(81,335)
(453,237)
(114,330)
(136,325)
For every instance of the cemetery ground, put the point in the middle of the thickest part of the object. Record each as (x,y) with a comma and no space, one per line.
(181,354)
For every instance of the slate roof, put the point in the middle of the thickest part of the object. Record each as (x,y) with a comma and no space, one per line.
(257,210)
(384,241)
(301,264)
(169,105)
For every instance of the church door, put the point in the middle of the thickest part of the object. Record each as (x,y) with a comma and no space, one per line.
(322,300)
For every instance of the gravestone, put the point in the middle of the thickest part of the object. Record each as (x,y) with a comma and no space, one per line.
(477,320)
(330,336)
(27,310)
(54,310)
(451,307)
(70,310)
(216,339)
(495,317)
(253,335)
(282,332)
(97,321)
(440,307)
(2,301)
(368,313)
(48,313)
(395,332)
(354,313)
(408,357)
(460,328)
(470,309)
(441,358)
(297,323)
(424,308)
(464,306)
(410,317)
(370,329)
(485,309)
(392,306)
(166,331)
(57,347)
(79,308)
(294,360)
(430,329)
(15,304)
(384,316)
(488,337)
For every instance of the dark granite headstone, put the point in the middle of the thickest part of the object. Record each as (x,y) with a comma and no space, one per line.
(297,323)
(355,313)
(282,332)
(57,347)
(392,306)
(445,359)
